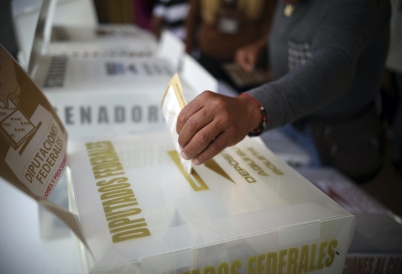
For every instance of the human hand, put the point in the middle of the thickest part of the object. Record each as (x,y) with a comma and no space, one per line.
(212,122)
(247,56)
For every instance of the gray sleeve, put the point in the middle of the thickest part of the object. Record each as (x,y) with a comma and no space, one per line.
(347,29)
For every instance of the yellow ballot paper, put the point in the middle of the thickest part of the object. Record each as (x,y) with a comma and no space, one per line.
(172,103)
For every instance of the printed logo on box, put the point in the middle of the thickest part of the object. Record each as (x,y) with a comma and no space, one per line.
(37,152)
(248,164)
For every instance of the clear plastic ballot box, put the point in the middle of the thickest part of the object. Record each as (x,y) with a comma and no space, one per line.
(114,39)
(113,94)
(377,243)
(136,210)
(246,211)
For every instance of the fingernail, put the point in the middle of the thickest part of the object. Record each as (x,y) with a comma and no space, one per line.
(184,156)
(195,161)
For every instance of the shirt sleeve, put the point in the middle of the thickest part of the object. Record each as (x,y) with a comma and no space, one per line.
(344,34)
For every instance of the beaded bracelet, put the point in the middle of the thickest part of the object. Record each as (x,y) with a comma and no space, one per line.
(264,122)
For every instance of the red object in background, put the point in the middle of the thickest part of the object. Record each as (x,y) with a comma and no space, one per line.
(142,13)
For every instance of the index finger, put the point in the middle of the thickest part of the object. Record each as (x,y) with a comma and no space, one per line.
(190,109)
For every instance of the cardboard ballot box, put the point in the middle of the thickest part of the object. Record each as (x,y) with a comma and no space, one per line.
(246,211)
(377,244)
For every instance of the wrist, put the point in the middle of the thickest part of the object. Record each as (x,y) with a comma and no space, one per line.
(256,113)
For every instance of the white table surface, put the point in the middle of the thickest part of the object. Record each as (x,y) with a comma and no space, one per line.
(22,249)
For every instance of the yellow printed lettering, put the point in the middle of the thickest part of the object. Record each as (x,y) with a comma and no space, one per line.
(223,268)
(303,263)
(124,199)
(282,262)
(272,260)
(312,266)
(113,187)
(209,270)
(259,266)
(236,264)
(131,234)
(124,221)
(250,262)
(123,213)
(292,261)
(332,244)
(118,180)
(321,255)
(117,193)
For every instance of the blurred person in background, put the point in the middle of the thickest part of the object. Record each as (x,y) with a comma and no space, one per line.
(396,149)
(216,29)
(326,58)
(142,13)
(394,65)
(169,15)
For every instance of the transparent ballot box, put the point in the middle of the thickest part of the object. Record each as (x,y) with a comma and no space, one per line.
(116,95)
(110,39)
(377,243)
(245,211)
(285,148)
(124,102)
(135,209)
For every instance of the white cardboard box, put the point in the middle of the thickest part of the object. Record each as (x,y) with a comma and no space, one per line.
(141,214)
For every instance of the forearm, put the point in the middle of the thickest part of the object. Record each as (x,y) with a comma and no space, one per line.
(330,69)
(305,90)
